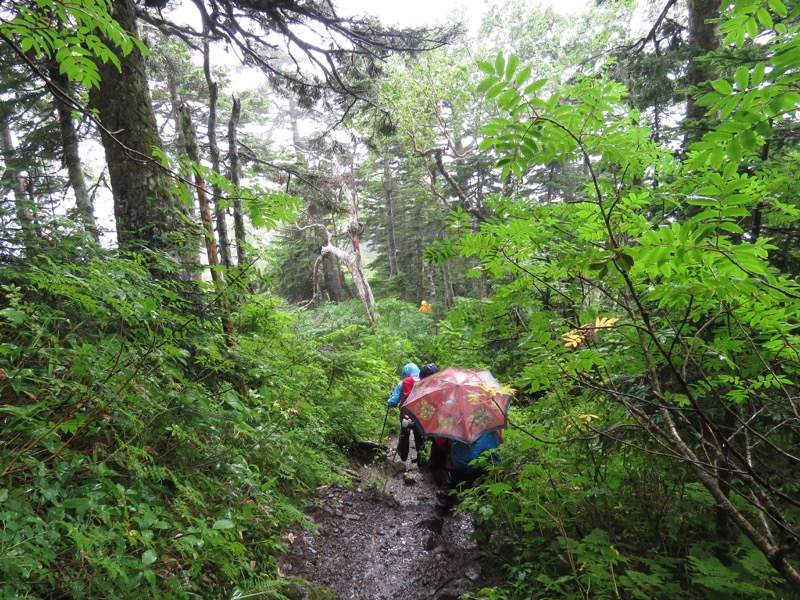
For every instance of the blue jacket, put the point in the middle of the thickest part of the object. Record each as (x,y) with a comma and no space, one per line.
(410,370)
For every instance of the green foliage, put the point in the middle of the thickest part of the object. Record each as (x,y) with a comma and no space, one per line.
(131,466)
(705,340)
(265,206)
(74,33)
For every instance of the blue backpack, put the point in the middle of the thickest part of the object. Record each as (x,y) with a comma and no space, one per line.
(462,454)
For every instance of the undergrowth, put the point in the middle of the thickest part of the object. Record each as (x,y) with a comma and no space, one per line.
(131,463)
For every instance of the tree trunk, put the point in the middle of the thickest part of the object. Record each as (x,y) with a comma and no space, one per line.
(175,99)
(351,258)
(72,157)
(147,215)
(233,155)
(388,189)
(330,265)
(14,178)
(703,38)
(419,283)
(449,293)
(353,231)
(193,152)
(213,152)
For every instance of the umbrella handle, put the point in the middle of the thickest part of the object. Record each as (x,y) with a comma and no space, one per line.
(386,418)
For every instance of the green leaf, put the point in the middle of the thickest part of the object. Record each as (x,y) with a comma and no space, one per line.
(748,139)
(523,76)
(499,64)
(624,262)
(14,316)
(742,77)
(758,74)
(511,67)
(740,35)
(751,27)
(734,150)
(722,86)
(486,67)
(149,557)
(486,84)
(534,87)
(224,524)
(777,7)
(764,18)
(495,90)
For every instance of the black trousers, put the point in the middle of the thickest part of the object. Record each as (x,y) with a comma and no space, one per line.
(447,492)
(436,464)
(404,441)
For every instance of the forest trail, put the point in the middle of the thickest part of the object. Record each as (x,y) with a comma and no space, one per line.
(370,543)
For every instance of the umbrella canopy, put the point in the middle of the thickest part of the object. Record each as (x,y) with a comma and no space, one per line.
(460,404)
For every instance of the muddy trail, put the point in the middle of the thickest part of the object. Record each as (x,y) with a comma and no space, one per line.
(372,543)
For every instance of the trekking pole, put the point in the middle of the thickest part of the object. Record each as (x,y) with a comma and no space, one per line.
(386,418)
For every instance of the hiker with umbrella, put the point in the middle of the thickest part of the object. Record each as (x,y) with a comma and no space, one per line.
(464,411)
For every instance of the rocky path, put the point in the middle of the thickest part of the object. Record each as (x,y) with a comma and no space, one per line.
(370,544)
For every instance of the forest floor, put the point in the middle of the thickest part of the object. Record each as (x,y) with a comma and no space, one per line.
(371,541)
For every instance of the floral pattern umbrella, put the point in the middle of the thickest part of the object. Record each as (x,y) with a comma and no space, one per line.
(460,404)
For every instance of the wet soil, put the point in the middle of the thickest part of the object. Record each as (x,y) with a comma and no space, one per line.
(371,541)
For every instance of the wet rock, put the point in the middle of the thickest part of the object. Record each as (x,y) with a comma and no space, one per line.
(455,589)
(430,542)
(473,573)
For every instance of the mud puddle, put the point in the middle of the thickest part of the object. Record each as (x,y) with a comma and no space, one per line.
(370,543)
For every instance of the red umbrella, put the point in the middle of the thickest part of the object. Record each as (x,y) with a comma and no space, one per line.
(460,404)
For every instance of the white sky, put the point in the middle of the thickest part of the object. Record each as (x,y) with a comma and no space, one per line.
(412,13)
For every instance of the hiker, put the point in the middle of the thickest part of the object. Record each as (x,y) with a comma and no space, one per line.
(458,470)
(409,376)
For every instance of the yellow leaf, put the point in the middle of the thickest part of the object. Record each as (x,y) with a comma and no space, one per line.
(605,322)
(573,338)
